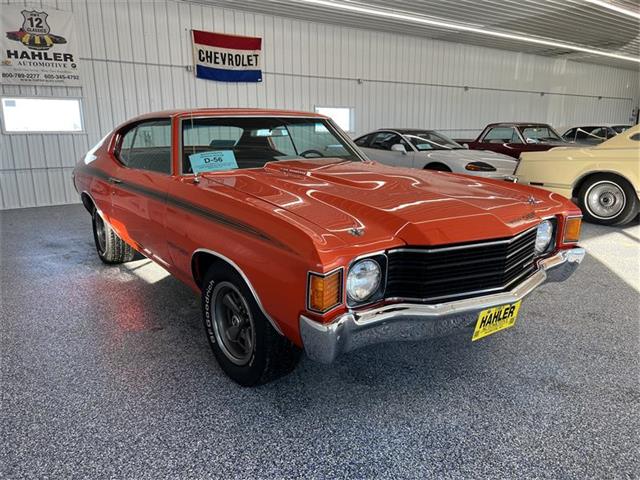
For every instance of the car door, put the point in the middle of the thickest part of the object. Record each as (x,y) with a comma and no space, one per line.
(140,185)
(380,149)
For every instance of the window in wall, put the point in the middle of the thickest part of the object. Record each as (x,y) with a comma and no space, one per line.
(41,115)
(342,116)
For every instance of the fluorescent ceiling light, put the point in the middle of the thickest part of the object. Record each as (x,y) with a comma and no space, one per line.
(422,20)
(615,8)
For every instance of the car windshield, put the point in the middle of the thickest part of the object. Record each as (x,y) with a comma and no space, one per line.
(539,134)
(219,143)
(620,128)
(430,140)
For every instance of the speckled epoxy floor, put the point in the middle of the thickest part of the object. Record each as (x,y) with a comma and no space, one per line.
(106,373)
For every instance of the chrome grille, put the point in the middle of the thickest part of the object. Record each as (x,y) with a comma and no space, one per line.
(454,272)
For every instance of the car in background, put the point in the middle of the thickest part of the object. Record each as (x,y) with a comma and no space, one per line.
(431,150)
(593,135)
(514,138)
(294,240)
(604,179)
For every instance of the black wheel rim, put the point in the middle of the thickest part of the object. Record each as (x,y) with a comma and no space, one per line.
(233,324)
(101,233)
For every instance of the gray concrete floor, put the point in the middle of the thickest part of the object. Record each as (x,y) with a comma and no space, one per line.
(106,373)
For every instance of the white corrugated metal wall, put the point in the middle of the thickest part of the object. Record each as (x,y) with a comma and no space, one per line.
(134,55)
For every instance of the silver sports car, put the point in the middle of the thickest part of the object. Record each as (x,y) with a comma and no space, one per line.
(408,147)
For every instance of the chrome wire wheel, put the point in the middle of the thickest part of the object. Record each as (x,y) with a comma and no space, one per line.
(233,324)
(101,233)
(605,200)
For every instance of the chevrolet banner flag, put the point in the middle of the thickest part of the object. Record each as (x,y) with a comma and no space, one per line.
(226,58)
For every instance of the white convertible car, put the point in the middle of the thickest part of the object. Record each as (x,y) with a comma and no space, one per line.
(428,149)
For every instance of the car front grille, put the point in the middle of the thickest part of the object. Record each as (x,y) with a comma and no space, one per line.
(432,275)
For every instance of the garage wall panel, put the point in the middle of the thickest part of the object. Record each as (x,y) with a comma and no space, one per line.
(134,58)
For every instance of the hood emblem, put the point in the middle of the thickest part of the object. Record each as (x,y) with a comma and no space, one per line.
(532,200)
(356,231)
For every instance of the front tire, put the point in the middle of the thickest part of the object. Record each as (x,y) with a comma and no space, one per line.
(247,347)
(608,199)
(110,247)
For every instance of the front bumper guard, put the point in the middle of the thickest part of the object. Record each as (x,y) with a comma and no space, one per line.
(410,321)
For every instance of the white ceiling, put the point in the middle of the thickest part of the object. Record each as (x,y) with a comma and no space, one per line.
(568,21)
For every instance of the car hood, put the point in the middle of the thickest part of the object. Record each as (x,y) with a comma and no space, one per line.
(496,159)
(366,202)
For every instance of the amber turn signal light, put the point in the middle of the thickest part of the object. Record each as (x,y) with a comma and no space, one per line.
(572,229)
(325,291)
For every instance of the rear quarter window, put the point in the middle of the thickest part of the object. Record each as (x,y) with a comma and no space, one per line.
(147,146)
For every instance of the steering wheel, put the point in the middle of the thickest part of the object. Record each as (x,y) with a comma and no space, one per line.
(311,150)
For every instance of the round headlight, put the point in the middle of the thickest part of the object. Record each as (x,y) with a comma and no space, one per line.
(363,280)
(544,236)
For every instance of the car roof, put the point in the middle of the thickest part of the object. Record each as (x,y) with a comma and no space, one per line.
(407,130)
(599,125)
(226,112)
(518,124)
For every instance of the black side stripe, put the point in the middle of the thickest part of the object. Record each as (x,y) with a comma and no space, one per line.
(189,207)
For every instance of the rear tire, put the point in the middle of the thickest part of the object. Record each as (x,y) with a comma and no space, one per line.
(110,247)
(608,199)
(247,347)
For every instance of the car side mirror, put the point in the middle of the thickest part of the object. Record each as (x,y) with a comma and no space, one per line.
(398,147)
(466,145)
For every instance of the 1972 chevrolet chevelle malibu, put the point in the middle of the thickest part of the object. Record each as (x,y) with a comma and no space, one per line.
(295,241)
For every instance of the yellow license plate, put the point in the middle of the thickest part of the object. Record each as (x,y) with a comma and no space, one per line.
(494,319)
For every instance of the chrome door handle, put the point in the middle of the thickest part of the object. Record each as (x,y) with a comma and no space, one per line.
(114,180)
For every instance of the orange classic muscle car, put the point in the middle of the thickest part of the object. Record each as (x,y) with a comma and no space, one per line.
(296,241)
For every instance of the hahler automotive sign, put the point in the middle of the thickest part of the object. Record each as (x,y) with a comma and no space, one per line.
(226,58)
(38,47)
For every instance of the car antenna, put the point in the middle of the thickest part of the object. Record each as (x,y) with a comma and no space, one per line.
(196,178)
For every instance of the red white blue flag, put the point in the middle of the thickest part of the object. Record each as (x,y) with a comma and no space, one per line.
(227,58)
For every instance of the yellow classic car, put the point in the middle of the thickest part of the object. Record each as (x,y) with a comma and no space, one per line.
(604,180)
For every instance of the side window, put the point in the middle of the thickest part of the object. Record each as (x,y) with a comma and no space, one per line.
(363,141)
(570,135)
(385,140)
(502,135)
(147,146)
(125,146)
(583,134)
(592,134)
(600,132)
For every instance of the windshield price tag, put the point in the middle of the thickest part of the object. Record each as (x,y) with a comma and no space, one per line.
(213,161)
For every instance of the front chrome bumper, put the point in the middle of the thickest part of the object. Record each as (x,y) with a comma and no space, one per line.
(409,321)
